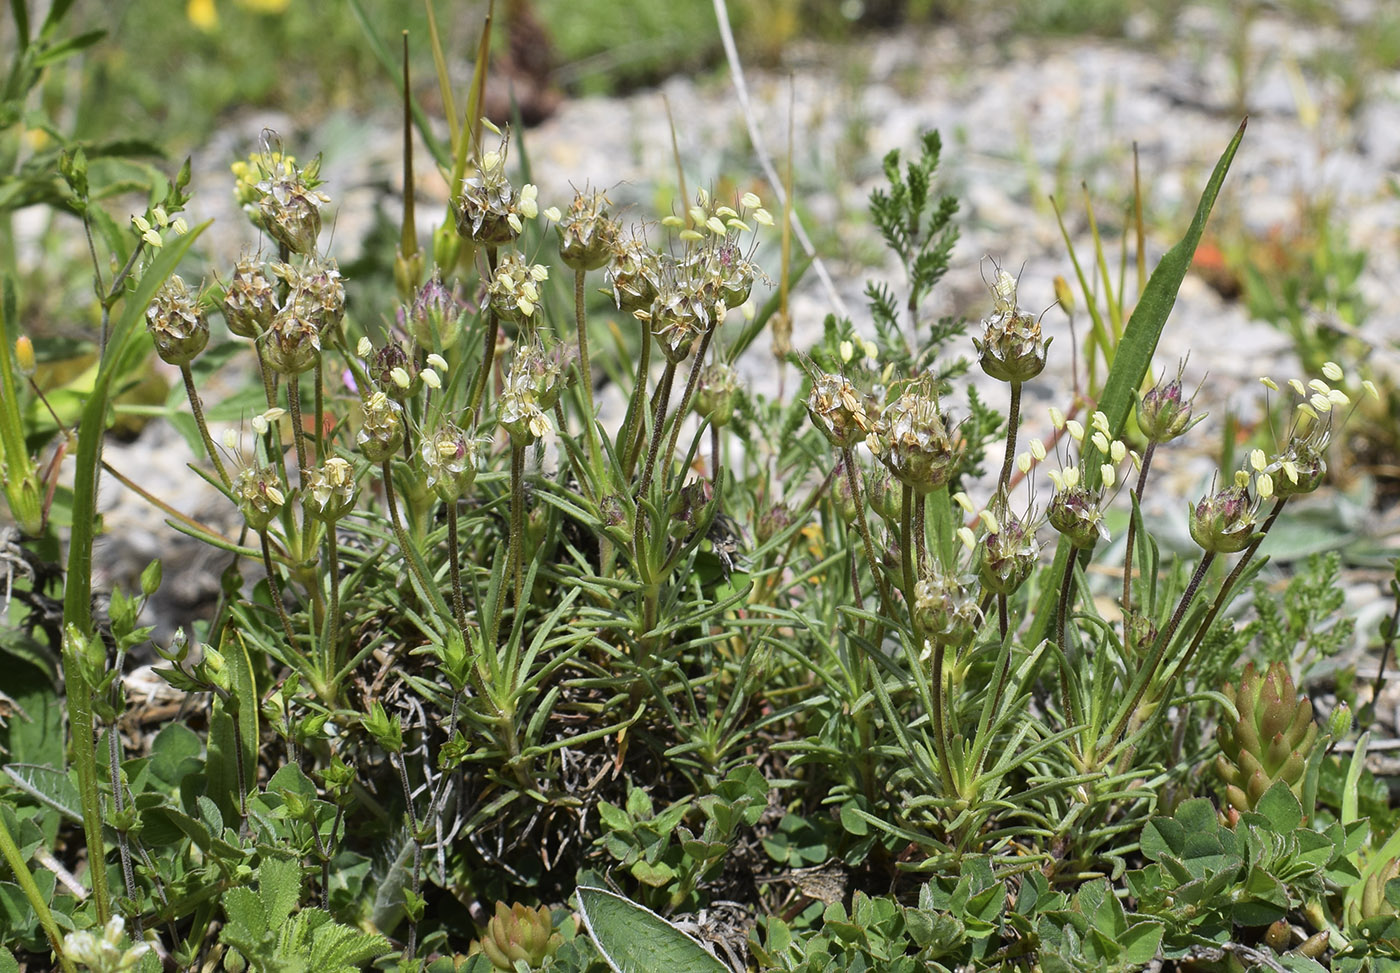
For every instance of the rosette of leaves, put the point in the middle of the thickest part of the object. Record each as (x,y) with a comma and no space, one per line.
(1269,741)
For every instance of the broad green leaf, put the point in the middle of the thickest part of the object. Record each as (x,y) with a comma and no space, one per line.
(175,753)
(48,785)
(279,886)
(1140,943)
(1281,808)
(633,939)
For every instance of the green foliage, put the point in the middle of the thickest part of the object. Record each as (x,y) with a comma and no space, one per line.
(474,647)
(632,937)
(273,934)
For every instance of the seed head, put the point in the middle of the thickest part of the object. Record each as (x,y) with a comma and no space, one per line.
(913,439)
(450,459)
(836,409)
(250,301)
(177,323)
(333,488)
(489,211)
(289,204)
(381,434)
(292,344)
(587,234)
(258,492)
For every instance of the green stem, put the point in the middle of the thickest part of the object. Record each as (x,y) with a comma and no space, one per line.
(331,624)
(1013,424)
(294,407)
(459,603)
(848,459)
(488,354)
(689,392)
(79,692)
(275,586)
(198,409)
(320,406)
(595,451)
(1128,543)
(659,402)
(940,729)
(517,518)
(1067,696)
(631,444)
(906,555)
(25,878)
(1164,638)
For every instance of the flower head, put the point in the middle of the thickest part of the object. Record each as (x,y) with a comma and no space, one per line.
(177,323)
(103,954)
(258,492)
(915,440)
(1223,522)
(250,301)
(587,233)
(381,434)
(289,204)
(1075,510)
(514,290)
(333,489)
(450,458)
(1164,413)
(435,318)
(946,610)
(1009,550)
(1011,349)
(635,274)
(489,210)
(836,409)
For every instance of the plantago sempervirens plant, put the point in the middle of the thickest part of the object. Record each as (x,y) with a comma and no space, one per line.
(612,595)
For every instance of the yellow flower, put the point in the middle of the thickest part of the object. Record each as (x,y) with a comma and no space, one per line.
(202,14)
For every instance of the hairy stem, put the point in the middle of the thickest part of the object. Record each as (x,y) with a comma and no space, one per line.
(488,353)
(274,585)
(595,453)
(1160,645)
(459,603)
(1013,425)
(198,409)
(1132,536)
